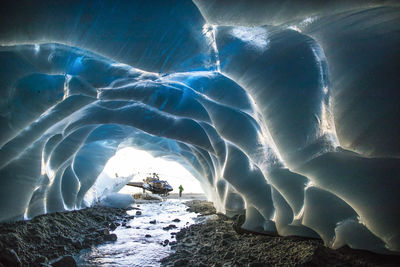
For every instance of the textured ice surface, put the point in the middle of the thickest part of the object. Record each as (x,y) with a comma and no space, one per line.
(117,200)
(295,123)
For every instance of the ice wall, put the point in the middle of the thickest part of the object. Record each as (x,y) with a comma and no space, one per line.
(294,123)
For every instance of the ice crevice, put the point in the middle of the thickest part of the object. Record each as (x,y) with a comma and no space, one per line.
(278,121)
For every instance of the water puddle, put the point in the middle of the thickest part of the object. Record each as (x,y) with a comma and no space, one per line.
(141,245)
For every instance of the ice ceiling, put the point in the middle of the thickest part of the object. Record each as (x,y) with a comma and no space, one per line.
(287,112)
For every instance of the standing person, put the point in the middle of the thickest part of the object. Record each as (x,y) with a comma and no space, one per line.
(180,191)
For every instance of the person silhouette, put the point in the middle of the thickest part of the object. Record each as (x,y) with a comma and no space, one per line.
(180,191)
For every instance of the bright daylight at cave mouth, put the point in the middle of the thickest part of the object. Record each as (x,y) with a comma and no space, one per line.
(200,133)
(139,164)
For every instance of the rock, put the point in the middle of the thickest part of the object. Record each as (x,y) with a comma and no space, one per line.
(87,242)
(103,231)
(39,260)
(138,212)
(77,244)
(224,243)
(173,243)
(185,252)
(8,257)
(181,262)
(166,242)
(261,237)
(226,236)
(153,222)
(99,240)
(147,236)
(113,226)
(205,250)
(238,222)
(110,237)
(124,224)
(255,264)
(176,220)
(228,255)
(60,248)
(64,261)
(128,226)
(209,229)
(169,227)
(64,239)
(186,240)
(181,234)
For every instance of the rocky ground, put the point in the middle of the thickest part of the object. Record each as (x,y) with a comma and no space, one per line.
(219,242)
(51,239)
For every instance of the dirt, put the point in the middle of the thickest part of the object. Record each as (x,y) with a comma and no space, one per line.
(217,243)
(47,238)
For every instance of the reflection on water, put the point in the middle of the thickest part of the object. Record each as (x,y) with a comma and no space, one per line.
(133,248)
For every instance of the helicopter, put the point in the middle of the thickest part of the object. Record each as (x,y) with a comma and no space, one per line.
(154,185)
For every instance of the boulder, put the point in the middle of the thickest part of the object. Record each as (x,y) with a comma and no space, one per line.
(8,257)
(110,237)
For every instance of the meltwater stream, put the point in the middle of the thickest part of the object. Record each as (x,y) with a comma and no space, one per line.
(132,247)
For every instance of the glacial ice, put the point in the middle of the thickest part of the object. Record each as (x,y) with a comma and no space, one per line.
(291,119)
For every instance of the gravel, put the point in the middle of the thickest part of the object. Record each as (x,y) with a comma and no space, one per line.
(217,243)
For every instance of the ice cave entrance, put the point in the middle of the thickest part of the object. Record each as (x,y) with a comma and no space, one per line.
(139,164)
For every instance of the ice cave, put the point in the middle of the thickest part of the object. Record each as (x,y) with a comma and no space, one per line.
(288,112)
